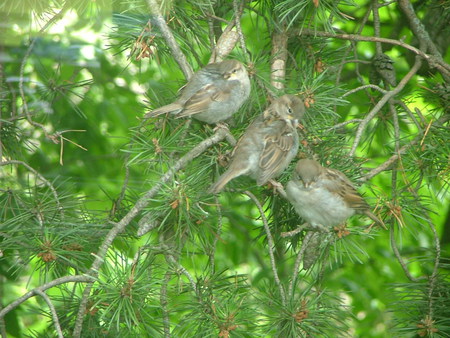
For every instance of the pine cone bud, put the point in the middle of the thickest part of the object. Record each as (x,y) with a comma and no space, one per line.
(312,250)
(224,46)
(383,65)
(442,90)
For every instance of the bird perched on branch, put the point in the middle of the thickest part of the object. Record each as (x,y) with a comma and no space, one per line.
(268,144)
(213,94)
(325,197)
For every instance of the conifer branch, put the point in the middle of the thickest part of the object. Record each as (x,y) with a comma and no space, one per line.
(42,288)
(360,29)
(410,113)
(279,57)
(441,65)
(357,89)
(390,94)
(343,124)
(376,25)
(417,27)
(295,231)
(171,258)
(57,16)
(212,254)
(164,302)
(298,261)
(159,20)
(225,43)
(271,245)
(218,136)
(41,177)
(422,35)
(53,312)
(391,160)
(400,258)
(238,10)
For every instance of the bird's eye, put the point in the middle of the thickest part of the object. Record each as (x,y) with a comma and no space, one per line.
(234,71)
(289,110)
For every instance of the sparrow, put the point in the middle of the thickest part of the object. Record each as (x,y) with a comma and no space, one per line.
(325,197)
(213,94)
(268,144)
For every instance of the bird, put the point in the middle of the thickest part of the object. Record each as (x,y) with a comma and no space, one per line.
(212,95)
(268,144)
(325,197)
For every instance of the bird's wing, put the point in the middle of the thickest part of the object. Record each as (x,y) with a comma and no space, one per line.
(342,186)
(337,183)
(276,148)
(202,99)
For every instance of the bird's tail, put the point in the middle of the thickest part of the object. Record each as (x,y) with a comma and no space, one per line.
(226,177)
(221,182)
(170,108)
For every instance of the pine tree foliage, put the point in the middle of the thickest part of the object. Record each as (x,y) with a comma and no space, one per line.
(106,226)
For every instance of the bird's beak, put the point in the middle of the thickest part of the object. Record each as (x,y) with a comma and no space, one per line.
(292,120)
(231,75)
(306,184)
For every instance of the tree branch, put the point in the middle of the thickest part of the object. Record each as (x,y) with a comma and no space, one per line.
(431,59)
(238,10)
(385,165)
(159,20)
(140,204)
(42,288)
(298,260)
(40,176)
(382,102)
(354,90)
(271,245)
(416,26)
(376,25)
(279,57)
(53,311)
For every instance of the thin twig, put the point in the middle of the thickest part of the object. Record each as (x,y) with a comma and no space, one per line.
(41,177)
(295,231)
(159,20)
(238,7)
(433,60)
(57,16)
(271,245)
(216,235)
(343,124)
(218,136)
(382,102)
(417,27)
(400,258)
(360,29)
(391,160)
(394,192)
(410,113)
(298,261)
(53,311)
(381,90)
(2,319)
(55,282)
(180,268)
(164,302)
(376,25)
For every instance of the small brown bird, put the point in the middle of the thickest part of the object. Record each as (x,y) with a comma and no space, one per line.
(268,144)
(325,197)
(213,94)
